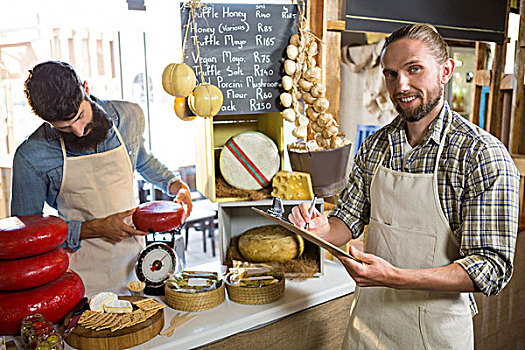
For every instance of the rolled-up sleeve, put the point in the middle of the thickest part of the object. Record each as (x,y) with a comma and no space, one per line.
(353,204)
(490,219)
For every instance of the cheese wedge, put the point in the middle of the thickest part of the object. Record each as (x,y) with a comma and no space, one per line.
(97,302)
(292,185)
(118,307)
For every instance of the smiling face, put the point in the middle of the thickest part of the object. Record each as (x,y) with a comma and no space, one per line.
(414,79)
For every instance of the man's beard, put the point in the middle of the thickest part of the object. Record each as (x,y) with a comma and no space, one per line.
(424,107)
(99,127)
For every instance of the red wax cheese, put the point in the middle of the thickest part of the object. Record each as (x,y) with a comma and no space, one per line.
(54,300)
(158,216)
(23,236)
(17,274)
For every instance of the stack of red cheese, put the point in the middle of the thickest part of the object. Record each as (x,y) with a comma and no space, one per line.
(33,271)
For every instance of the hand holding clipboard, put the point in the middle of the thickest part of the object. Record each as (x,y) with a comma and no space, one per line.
(334,250)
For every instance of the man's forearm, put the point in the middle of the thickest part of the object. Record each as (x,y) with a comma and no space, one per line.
(90,229)
(338,234)
(450,278)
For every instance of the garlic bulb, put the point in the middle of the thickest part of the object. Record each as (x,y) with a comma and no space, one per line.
(292,51)
(287,82)
(305,85)
(330,131)
(295,39)
(302,120)
(336,142)
(286,99)
(308,98)
(321,141)
(313,74)
(318,90)
(300,132)
(316,127)
(311,113)
(288,114)
(289,67)
(323,119)
(321,104)
(312,49)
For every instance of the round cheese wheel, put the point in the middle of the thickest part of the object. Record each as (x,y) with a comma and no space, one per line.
(23,236)
(53,300)
(270,243)
(158,216)
(16,274)
(249,160)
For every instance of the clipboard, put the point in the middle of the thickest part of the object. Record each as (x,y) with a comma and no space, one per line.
(334,250)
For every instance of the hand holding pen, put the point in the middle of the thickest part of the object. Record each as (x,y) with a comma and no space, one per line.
(311,211)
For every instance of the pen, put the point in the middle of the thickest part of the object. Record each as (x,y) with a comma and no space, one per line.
(312,207)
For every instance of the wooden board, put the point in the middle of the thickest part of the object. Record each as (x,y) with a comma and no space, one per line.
(83,338)
(334,250)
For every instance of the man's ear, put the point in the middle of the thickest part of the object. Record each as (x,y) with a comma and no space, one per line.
(86,88)
(446,71)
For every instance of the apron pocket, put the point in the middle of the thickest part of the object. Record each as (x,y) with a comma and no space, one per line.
(403,248)
(446,330)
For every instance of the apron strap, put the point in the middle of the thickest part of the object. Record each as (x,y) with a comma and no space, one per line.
(442,142)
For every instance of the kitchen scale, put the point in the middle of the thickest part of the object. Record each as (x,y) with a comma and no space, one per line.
(154,265)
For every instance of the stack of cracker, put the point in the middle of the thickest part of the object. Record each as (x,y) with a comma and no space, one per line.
(101,320)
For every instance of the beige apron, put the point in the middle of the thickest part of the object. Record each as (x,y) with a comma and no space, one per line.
(409,229)
(93,187)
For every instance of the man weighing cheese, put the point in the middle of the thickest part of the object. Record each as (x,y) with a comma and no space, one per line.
(81,162)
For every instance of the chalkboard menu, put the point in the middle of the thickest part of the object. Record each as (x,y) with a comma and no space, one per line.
(242,48)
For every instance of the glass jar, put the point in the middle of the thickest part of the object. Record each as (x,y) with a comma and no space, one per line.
(27,324)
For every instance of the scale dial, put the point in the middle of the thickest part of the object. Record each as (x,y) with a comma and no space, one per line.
(155,263)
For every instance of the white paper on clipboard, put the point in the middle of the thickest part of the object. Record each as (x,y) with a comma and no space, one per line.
(334,250)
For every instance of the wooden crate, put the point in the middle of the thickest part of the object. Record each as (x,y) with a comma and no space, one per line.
(237,217)
(212,135)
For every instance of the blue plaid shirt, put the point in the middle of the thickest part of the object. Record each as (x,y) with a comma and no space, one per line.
(478,187)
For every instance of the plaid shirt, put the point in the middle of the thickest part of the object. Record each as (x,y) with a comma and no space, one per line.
(478,189)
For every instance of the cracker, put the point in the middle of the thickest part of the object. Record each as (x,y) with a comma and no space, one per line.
(150,304)
(137,316)
(96,320)
(108,322)
(124,320)
(87,315)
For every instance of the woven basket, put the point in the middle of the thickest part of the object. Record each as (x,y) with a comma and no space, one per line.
(194,301)
(255,296)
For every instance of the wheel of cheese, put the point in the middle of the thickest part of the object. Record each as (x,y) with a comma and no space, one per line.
(158,216)
(249,160)
(34,271)
(53,300)
(270,243)
(23,236)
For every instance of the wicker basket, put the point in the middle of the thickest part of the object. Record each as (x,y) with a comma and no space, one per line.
(255,296)
(194,301)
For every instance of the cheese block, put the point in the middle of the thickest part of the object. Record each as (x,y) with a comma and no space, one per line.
(97,302)
(249,160)
(118,307)
(270,243)
(292,185)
